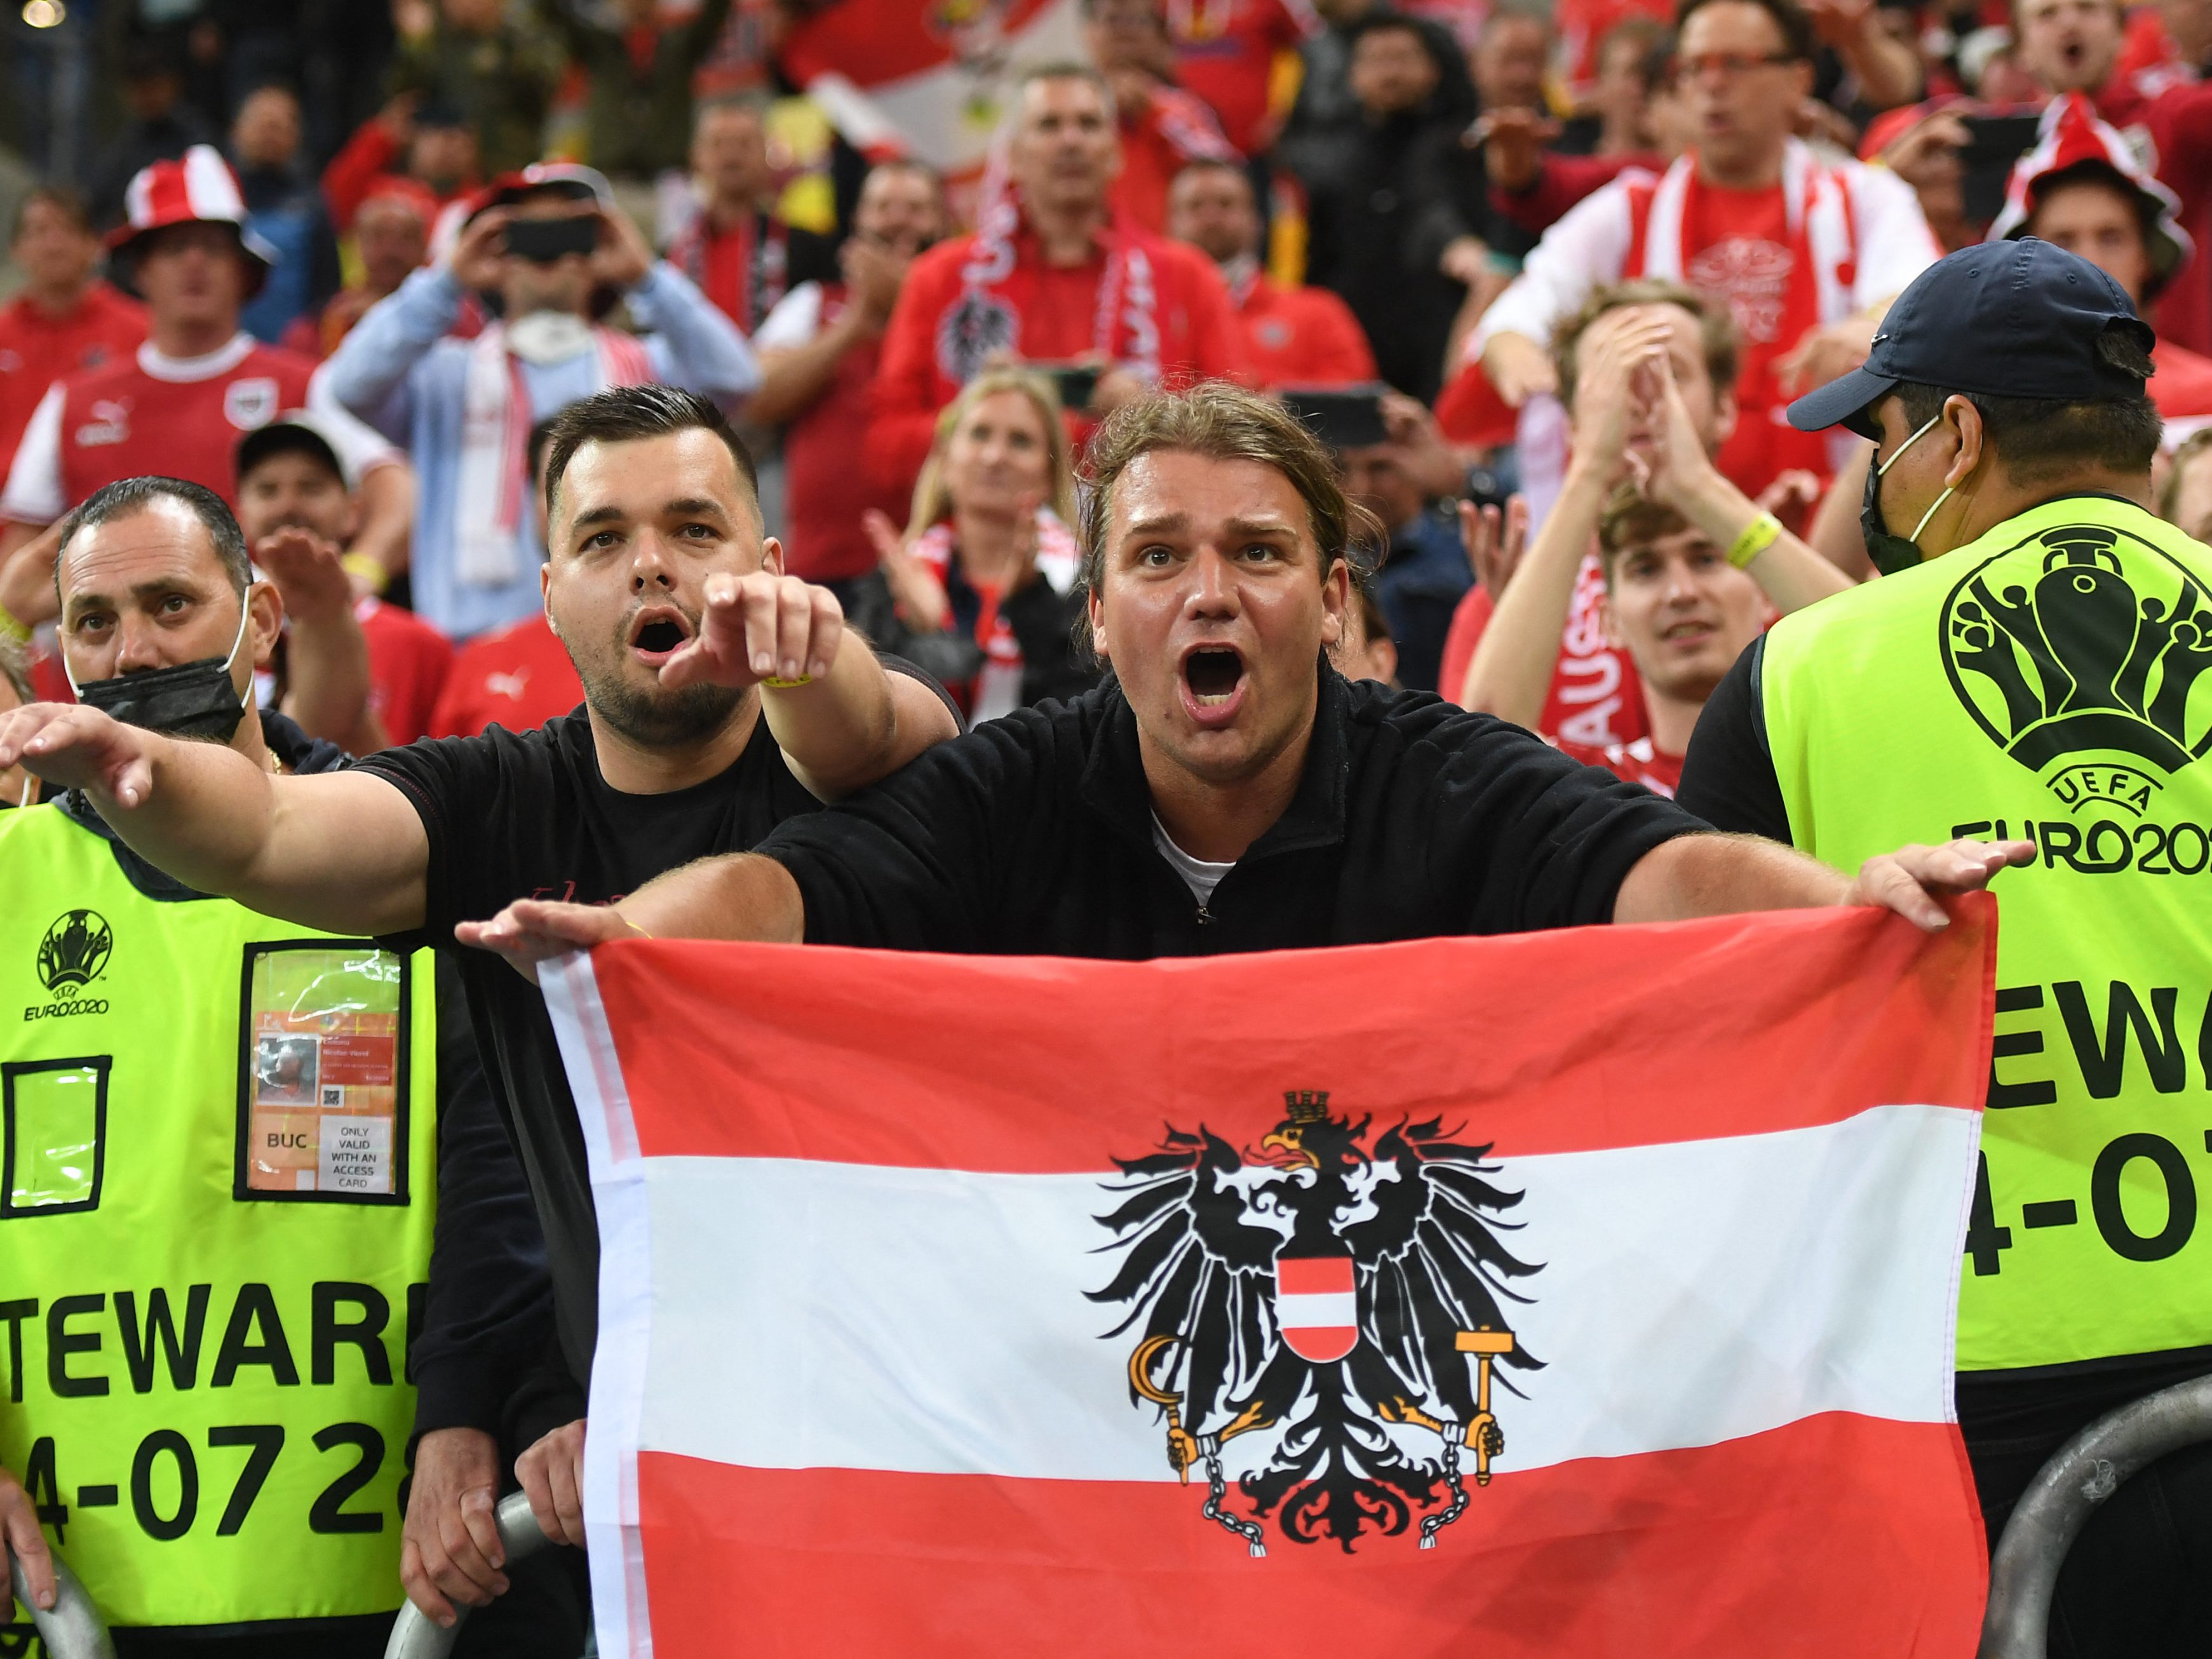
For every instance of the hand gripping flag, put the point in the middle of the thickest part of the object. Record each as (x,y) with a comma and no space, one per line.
(1574,1294)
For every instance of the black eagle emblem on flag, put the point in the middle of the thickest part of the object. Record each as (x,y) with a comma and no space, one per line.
(1345,1295)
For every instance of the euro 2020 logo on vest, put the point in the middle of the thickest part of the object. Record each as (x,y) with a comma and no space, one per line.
(75,948)
(2083,665)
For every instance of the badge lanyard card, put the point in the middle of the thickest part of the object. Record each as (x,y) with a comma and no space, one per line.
(323,1073)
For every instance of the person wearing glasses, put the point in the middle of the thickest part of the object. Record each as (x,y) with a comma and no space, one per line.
(1806,253)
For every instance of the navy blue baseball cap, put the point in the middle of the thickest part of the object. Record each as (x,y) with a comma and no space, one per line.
(2002,319)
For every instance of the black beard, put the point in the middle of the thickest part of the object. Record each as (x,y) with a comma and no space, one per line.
(662,719)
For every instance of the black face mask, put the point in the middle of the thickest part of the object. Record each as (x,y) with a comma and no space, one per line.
(1891,554)
(191,699)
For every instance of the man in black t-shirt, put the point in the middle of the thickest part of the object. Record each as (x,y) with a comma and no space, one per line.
(722,698)
(1228,791)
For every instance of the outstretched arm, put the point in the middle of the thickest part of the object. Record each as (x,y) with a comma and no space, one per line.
(340,851)
(740,896)
(1715,875)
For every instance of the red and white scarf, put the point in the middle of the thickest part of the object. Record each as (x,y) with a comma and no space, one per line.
(764,265)
(986,318)
(494,464)
(1822,230)
(997,687)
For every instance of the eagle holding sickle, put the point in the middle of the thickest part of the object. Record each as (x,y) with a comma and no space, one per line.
(1328,1290)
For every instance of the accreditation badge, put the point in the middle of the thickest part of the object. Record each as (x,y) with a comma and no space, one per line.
(323,1072)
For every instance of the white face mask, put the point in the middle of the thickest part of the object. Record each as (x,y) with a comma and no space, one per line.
(548,337)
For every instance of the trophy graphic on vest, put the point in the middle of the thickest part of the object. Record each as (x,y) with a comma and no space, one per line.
(2081,663)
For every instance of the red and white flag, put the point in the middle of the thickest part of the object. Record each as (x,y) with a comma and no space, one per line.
(1575,1294)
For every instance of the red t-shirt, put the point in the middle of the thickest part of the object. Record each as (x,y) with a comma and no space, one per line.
(823,493)
(37,350)
(519,677)
(1596,697)
(1226,54)
(1053,318)
(1302,336)
(2182,388)
(121,420)
(1640,761)
(1745,255)
(2180,125)
(408,660)
(1172,128)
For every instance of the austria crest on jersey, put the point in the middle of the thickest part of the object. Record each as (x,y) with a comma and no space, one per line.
(1591,1294)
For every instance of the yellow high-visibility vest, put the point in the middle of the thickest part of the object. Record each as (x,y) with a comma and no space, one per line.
(216,1189)
(2048,681)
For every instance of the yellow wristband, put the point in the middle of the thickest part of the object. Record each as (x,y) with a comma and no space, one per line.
(372,574)
(632,926)
(785,685)
(1758,536)
(9,628)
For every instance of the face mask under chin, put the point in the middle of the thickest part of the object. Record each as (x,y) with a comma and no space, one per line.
(187,699)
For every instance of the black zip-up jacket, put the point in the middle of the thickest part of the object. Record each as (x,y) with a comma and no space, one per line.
(1034,834)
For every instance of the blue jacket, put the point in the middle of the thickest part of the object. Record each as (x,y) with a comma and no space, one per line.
(398,371)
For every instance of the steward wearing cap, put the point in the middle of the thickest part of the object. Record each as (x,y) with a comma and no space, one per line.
(178,405)
(2028,666)
(549,251)
(220,1155)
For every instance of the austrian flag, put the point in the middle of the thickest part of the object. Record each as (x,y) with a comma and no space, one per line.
(1584,1293)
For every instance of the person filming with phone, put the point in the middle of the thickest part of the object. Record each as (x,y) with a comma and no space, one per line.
(547,249)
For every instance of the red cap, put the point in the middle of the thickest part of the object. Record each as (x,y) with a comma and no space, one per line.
(2074,138)
(197,189)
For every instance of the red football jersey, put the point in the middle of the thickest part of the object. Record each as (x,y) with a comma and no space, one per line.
(407,661)
(1225,53)
(1302,336)
(150,413)
(1641,762)
(519,677)
(36,351)
(1596,696)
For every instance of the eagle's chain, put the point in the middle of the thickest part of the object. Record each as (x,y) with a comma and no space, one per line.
(1433,1524)
(1247,1530)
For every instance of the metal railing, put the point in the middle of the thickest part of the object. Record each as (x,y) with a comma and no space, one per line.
(74,1629)
(415,1635)
(2065,1493)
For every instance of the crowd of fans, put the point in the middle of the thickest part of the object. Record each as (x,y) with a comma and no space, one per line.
(1541,278)
(1404,203)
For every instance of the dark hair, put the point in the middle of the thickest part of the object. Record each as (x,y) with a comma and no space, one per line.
(1225,422)
(1383,21)
(128,495)
(623,414)
(2044,439)
(1655,46)
(1799,42)
(60,198)
(533,449)
(1630,520)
